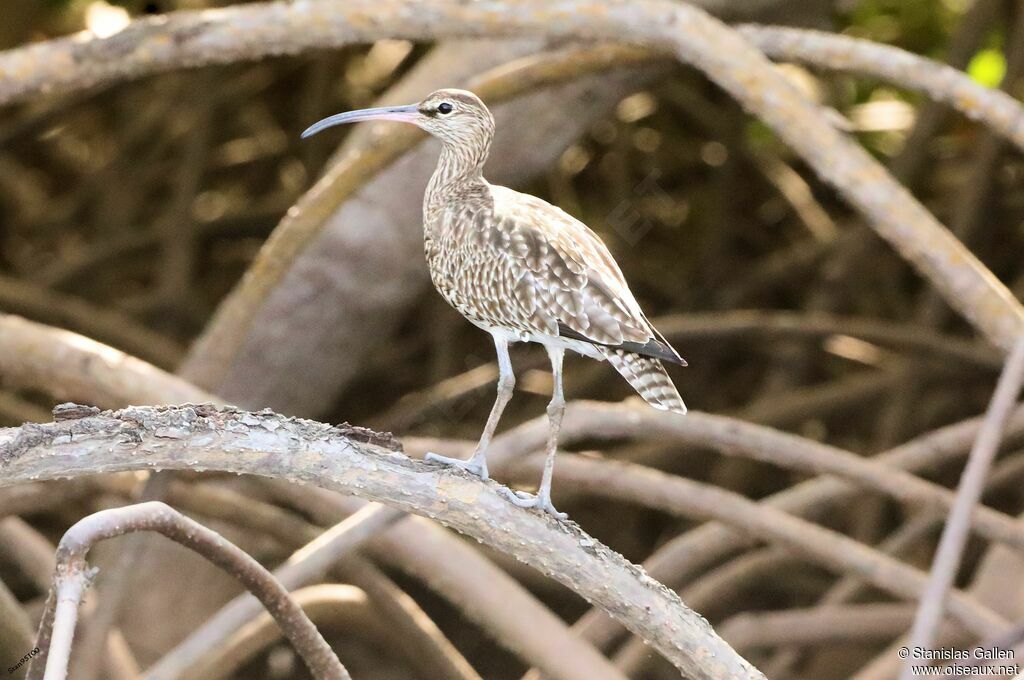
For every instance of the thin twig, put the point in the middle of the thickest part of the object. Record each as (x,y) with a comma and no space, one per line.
(73,575)
(954,536)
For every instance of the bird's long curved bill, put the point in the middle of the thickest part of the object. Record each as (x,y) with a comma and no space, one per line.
(404,114)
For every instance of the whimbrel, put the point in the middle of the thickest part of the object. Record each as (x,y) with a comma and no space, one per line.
(524,271)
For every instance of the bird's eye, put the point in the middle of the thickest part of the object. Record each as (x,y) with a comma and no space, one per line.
(445,107)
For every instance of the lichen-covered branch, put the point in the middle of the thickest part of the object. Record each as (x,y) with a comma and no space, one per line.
(355,461)
(73,575)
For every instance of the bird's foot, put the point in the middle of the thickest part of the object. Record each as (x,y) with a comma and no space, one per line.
(475,465)
(528,500)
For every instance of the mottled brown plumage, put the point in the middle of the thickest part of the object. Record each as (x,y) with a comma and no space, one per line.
(524,271)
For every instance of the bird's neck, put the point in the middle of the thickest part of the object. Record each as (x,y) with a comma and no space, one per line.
(459,170)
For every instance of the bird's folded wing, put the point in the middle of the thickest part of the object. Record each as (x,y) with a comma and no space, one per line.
(565,276)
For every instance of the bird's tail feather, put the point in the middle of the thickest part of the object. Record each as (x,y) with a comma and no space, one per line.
(648,378)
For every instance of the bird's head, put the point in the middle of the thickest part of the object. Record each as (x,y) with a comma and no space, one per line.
(456,117)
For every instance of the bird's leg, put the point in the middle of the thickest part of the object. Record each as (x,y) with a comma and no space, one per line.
(477,463)
(556,408)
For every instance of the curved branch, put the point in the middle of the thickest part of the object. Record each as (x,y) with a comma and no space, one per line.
(191,437)
(73,575)
(942,83)
(329,606)
(79,366)
(325,550)
(311,561)
(102,323)
(71,366)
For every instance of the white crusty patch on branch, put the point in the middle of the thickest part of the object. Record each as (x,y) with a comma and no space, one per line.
(363,463)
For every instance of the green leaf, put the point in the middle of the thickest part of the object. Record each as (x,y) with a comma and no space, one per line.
(987,68)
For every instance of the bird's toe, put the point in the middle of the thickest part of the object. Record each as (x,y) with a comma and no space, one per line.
(529,500)
(473,466)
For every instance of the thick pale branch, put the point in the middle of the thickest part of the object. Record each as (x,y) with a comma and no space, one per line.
(204,437)
(71,366)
